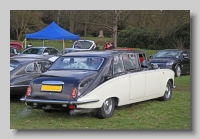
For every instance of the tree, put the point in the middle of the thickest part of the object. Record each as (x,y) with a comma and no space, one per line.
(22,22)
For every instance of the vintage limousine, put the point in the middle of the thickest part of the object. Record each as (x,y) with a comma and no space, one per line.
(99,81)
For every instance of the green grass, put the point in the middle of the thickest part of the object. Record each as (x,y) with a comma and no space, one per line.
(100,42)
(151,114)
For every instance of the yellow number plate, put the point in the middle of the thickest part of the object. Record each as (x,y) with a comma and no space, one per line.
(52,88)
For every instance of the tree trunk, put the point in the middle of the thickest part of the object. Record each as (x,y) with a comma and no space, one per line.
(85,30)
(114,32)
(17,35)
(58,17)
(71,21)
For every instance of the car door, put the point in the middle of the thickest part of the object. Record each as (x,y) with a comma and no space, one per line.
(144,82)
(152,82)
(136,78)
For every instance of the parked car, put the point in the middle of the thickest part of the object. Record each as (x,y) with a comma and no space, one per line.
(84,44)
(15,48)
(98,81)
(16,45)
(13,51)
(62,52)
(69,50)
(40,52)
(22,71)
(176,59)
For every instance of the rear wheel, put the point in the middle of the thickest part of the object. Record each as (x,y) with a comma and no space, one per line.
(168,92)
(107,109)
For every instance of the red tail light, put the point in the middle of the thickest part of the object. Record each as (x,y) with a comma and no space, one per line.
(71,107)
(73,93)
(28,91)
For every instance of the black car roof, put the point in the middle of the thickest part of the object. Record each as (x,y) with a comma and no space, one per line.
(100,53)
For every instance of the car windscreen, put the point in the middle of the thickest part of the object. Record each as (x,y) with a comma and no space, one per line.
(77,63)
(82,44)
(38,51)
(167,54)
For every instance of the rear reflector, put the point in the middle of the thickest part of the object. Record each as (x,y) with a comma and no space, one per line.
(71,107)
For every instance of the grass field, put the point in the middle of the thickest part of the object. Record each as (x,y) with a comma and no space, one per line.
(147,115)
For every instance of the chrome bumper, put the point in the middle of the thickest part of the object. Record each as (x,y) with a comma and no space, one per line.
(28,100)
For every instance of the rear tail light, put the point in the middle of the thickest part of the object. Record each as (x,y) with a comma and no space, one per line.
(74,91)
(71,107)
(28,91)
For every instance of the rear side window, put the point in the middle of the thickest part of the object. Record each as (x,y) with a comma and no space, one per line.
(117,64)
(53,51)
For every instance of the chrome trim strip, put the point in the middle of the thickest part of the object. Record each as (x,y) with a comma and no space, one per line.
(52,82)
(27,100)
(19,86)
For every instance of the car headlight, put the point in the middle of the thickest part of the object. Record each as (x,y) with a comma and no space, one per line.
(169,63)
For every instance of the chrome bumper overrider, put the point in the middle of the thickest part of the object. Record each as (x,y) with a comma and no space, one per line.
(28,100)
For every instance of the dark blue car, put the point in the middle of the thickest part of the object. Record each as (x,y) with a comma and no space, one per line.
(176,59)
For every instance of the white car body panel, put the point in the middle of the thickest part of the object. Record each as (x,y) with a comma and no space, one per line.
(130,88)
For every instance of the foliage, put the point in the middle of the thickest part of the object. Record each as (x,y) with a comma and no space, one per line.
(89,22)
(146,38)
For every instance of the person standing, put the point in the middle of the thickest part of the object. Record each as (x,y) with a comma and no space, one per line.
(95,47)
(29,45)
(108,46)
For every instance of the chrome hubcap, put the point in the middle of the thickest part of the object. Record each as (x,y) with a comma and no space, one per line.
(178,71)
(107,105)
(167,91)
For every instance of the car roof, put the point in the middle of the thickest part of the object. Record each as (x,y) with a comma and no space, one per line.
(100,53)
(173,50)
(42,47)
(26,60)
(85,40)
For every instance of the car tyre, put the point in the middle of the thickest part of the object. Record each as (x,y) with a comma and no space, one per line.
(107,109)
(178,71)
(168,92)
